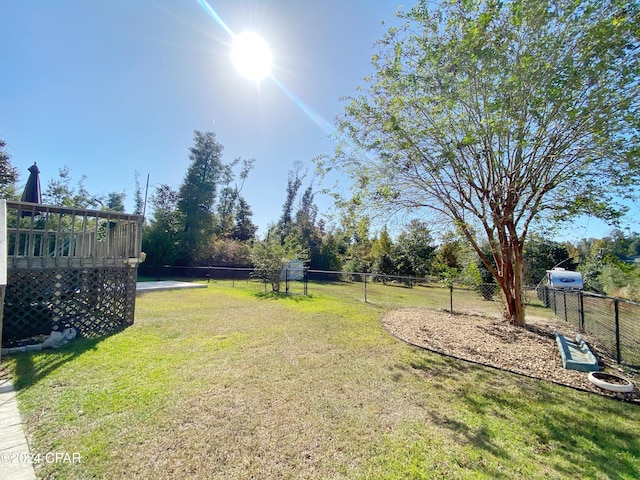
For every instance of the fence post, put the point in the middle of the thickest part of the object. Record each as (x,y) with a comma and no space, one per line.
(365,287)
(286,280)
(451,299)
(564,300)
(306,280)
(581,309)
(616,313)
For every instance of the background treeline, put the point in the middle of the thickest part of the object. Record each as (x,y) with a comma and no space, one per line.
(206,221)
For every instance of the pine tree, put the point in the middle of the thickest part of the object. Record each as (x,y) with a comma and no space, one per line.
(244,228)
(197,194)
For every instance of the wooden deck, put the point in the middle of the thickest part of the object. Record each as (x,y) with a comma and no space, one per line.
(44,236)
(66,266)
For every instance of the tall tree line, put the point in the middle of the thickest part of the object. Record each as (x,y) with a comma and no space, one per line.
(206,220)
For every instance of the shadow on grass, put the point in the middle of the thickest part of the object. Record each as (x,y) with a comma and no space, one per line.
(586,436)
(577,434)
(31,367)
(293,297)
(395,284)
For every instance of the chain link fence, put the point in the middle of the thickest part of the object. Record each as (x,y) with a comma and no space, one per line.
(407,292)
(384,290)
(613,322)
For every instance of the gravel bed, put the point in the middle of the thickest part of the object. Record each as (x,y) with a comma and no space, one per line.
(530,351)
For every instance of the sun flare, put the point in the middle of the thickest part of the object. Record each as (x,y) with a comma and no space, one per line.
(251,56)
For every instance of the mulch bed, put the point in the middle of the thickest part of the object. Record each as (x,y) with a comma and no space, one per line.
(530,351)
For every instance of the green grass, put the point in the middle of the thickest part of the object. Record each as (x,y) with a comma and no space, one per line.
(230,382)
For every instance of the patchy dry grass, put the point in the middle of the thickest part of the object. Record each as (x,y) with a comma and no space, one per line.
(232,383)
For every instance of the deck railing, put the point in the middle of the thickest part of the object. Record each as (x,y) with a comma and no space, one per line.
(46,236)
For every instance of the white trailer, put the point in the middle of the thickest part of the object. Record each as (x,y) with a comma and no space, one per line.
(561,278)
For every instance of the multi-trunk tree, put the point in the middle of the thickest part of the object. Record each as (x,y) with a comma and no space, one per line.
(495,115)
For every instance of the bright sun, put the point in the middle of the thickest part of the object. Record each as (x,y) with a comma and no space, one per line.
(251,56)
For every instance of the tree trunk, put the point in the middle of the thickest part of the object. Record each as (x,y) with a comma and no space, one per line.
(507,254)
(511,284)
(514,307)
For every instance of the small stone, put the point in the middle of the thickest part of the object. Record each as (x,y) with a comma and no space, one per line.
(69,334)
(54,340)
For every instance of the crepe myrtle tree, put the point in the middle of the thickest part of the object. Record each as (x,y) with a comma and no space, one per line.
(497,115)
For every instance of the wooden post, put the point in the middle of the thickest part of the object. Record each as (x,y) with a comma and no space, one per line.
(3,258)
(130,306)
(3,245)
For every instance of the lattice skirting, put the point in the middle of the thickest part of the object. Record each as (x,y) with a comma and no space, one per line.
(96,301)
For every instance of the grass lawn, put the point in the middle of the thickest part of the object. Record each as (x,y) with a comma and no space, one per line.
(230,382)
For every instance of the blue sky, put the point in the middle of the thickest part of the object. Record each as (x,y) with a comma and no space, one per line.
(111,87)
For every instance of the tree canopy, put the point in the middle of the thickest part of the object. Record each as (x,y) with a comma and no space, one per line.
(500,114)
(197,193)
(8,173)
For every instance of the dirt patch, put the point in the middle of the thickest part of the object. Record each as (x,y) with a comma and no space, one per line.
(530,351)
